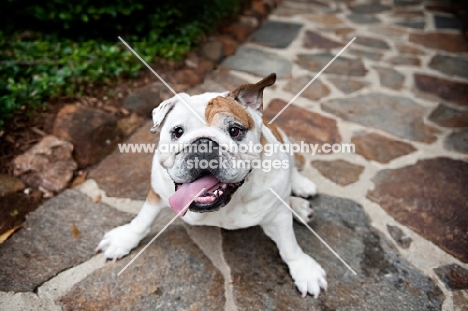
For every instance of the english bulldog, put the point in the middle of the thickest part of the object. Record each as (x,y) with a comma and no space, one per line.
(234,196)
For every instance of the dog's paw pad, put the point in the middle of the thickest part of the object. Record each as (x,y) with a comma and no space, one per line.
(308,275)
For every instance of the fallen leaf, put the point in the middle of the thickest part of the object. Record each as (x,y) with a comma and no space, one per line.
(5,235)
(124,111)
(75,231)
(110,108)
(97,198)
(46,193)
(80,179)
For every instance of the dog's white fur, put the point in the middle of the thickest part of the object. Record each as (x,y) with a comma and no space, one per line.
(251,205)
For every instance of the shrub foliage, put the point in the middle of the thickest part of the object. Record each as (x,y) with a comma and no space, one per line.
(55,47)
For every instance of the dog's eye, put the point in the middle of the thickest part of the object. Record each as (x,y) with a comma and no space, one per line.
(234,131)
(178,132)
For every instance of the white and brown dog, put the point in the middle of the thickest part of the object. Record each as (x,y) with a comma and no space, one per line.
(237,196)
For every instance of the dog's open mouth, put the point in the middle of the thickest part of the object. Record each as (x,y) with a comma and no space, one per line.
(216,195)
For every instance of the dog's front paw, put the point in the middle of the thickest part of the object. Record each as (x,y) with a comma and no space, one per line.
(308,276)
(303,187)
(302,208)
(119,242)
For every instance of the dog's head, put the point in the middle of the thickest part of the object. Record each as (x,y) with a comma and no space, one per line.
(208,155)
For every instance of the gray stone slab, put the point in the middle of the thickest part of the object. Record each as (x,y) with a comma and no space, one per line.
(384,281)
(127,174)
(365,54)
(399,236)
(406,2)
(171,274)
(458,141)
(450,65)
(403,60)
(314,91)
(217,81)
(341,66)
(372,42)
(396,115)
(363,18)
(276,34)
(287,11)
(412,24)
(370,8)
(447,22)
(390,78)
(314,40)
(347,86)
(291,8)
(47,243)
(258,62)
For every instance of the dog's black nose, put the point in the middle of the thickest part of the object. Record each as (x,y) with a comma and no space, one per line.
(207,144)
(205,148)
(203,141)
(203,157)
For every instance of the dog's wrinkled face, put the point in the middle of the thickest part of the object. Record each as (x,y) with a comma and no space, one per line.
(206,156)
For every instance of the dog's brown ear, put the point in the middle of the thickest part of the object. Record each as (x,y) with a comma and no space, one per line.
(160,112)
(251,95)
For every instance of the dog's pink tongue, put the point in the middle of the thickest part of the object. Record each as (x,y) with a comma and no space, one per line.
(186,192)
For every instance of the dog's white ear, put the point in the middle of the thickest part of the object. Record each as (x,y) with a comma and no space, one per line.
(160,112)
(251,95)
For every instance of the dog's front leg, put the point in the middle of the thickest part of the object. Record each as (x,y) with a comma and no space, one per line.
(307,274)
(121,240)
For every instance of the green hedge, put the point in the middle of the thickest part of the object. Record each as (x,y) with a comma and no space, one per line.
(52,48)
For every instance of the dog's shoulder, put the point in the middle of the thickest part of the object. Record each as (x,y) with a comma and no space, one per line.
(274,130)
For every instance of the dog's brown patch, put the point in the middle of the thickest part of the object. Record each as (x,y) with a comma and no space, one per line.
(229,106)
(274,129)
(153,197)
(300,161)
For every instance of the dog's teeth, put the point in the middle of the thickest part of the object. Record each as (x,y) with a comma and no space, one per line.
(223,186)
(216,192)
(220,193)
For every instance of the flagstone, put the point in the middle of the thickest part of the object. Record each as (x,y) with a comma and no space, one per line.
(262,281)
(397,115)
(430,197)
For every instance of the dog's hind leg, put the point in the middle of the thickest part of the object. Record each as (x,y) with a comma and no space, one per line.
(119,241)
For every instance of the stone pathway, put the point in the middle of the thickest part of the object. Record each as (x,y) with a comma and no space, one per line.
(396,210)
